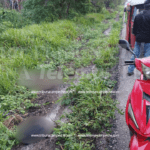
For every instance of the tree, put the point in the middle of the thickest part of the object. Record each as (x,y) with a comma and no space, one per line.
(38,10)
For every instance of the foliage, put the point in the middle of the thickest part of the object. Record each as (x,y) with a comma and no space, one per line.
(2,3)
(90,111)
(12,19)
(107,58)
(53,34)
(112,3)
(39,10)
(64,44)
(17,99)
(33,45)
(7,138)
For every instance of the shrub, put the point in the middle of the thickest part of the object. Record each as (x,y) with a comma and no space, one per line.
(39,10)
(12,19)
(55,34)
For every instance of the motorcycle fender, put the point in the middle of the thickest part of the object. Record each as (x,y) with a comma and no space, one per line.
(126,111)
(133,143)
(139,143)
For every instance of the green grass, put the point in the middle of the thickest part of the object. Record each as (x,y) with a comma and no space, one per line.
(57,34)
(91,112)
(7,139)
(55,43)
(12,19)
(79,42)
(18,101)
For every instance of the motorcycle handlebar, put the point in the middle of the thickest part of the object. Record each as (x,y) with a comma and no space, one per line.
(130,62)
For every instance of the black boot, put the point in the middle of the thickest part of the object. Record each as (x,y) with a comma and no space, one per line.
(130,73)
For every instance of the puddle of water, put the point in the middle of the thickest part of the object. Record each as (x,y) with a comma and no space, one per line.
(54,113)
(29,147)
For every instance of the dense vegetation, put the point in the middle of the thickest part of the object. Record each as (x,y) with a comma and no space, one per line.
(91,112)
(24,43)
(47,10)
(58,9)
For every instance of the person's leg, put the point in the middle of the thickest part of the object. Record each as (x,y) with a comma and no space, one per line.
(10,4)
(147,49)
(142,50)
(15,5)
(137,53)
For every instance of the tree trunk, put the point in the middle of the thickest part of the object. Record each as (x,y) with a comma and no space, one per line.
(68,9)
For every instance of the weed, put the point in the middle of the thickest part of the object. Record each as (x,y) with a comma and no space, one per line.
(90,111)
(7,139)
(79,41)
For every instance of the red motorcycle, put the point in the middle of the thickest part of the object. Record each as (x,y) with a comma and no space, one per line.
(138,105)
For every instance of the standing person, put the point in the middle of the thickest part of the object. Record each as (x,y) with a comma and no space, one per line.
(16,5)
(10,4)
(141,29)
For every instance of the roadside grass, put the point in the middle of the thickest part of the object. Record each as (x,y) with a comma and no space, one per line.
(80,42)
(53,44)
(44,34)
(126,17)
(91,112)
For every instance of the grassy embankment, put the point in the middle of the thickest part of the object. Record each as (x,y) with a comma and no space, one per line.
(57,44)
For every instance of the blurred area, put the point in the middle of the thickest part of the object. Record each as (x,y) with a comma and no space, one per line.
(12,4)
(34,126)
(39,79)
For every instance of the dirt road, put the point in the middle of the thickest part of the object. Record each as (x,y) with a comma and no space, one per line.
(125,86)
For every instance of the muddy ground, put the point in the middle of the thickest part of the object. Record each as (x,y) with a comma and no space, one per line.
(54,111)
